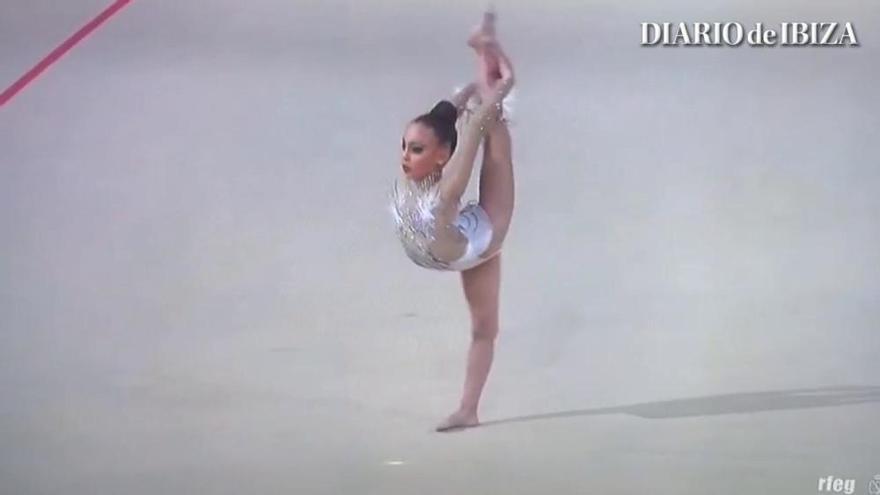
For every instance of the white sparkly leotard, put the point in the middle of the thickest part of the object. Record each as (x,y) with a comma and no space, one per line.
(412,208)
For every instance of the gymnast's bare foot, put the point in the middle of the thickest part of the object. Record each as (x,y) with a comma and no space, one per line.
(459,419)
(483,33)
(485,44)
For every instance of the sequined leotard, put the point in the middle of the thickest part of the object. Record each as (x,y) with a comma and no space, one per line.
(412,208)
(413,205)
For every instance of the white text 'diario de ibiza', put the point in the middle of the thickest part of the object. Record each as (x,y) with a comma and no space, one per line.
(735,34)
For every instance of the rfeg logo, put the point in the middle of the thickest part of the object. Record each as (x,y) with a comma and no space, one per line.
(832,484)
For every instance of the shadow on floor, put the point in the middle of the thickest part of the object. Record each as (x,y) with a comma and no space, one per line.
(723,404)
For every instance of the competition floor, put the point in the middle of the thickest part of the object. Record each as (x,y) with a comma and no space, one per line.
(201,292)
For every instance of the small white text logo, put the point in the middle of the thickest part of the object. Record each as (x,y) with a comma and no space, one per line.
(734,34)
(831,484)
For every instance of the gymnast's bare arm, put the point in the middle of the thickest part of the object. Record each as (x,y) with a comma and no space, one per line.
(457,171)
(461,97)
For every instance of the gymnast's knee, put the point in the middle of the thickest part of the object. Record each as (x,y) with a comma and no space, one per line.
(484,329)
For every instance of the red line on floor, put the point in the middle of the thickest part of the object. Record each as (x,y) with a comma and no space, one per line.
(61,50)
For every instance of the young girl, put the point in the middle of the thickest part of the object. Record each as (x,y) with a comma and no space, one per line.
(435,231)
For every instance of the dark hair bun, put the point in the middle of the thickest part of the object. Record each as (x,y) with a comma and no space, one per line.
(446,111)
(442,119)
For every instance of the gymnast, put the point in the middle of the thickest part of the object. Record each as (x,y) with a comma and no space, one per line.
(436,232)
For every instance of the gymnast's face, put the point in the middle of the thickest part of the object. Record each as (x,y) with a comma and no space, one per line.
(422,151)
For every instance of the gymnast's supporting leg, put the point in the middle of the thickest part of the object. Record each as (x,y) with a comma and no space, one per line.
(482,283)
(481,288)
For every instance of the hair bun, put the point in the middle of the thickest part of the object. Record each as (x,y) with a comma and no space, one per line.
(445,111)
(441,119)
